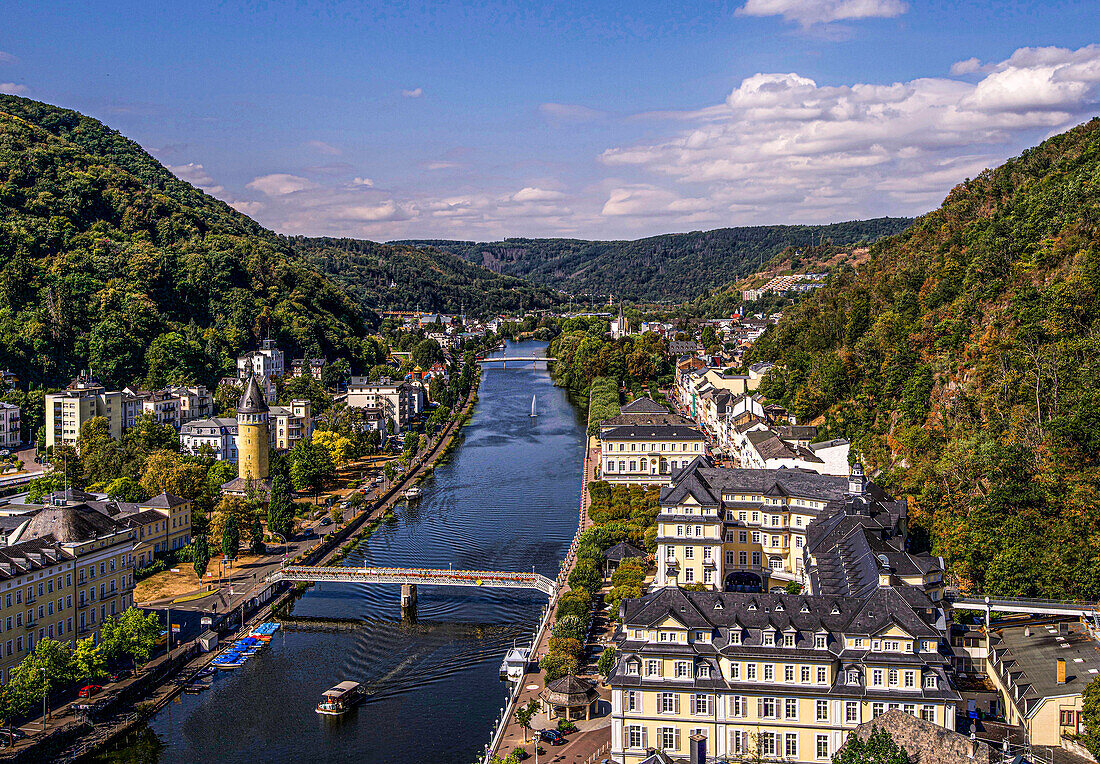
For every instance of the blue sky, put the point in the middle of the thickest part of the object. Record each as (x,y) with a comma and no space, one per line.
(599,120)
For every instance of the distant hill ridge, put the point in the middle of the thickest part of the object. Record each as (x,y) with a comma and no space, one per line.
(674,267)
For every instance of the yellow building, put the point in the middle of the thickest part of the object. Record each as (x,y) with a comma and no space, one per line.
(253,443)
(783,676)
(1041,671)
(65,571)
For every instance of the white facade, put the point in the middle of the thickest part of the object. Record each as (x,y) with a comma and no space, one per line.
(9,425)
(399,401)
(268,361)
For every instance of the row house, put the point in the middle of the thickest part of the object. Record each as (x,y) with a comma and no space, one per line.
(9,425)
(772,676)
(312,367)
(734,529)
(67,570)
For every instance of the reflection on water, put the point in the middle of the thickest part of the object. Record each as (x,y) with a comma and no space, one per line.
(505,500)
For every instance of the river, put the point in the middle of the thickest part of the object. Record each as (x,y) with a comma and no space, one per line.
(506,499)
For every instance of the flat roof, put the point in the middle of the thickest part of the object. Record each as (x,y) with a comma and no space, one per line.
(1033,652)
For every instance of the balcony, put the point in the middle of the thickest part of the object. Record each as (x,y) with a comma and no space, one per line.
(30,623)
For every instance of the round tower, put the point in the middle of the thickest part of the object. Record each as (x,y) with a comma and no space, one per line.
(252,433)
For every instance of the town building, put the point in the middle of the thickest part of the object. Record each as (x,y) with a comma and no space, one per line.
(1041,671)
(782,676)
(398,401)
(300,367)
(734,529)
(253,443)
(66,570)
(83,399)
(219,433)
(268,361)
(290,424)
(195,401)
(10,436)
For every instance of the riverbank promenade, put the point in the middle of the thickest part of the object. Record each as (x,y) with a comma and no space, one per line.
(593,737)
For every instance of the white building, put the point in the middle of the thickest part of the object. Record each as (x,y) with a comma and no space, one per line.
(268,361)
(399,401)
(9,425)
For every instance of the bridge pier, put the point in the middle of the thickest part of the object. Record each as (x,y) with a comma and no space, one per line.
(408,602)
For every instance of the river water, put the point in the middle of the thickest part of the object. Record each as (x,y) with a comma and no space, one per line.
(506,499)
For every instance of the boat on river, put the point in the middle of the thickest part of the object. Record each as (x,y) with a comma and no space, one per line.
(533,412)
(414,493)
(341,698)
(515,663)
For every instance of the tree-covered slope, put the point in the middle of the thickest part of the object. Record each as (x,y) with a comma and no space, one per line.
(397,277)
(964,360)
(108,262)
(673,267)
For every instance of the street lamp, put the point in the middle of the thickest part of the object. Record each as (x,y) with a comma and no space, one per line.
(285,545)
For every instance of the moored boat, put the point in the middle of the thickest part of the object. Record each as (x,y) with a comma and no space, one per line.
(413,493)
(340,698)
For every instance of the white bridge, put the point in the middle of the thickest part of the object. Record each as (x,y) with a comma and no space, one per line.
(516,359)
(486,579)
(1082,608)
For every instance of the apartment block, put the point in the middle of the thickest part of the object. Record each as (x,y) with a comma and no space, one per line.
(9,425)
(83,399)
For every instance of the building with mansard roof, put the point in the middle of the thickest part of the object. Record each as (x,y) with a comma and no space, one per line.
(778,676)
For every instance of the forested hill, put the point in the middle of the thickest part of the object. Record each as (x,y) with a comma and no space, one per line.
(396,277)
(674,267)
(964,360)
(108,262)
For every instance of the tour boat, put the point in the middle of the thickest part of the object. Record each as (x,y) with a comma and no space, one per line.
(413,493)
(533,412)
(340,698)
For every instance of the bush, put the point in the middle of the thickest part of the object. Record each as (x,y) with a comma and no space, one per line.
(566,727)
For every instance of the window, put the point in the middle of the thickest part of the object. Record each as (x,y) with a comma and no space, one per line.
(877,676)
(910,708)
(632,700)
(756,559)
(689,551)
(669,737)
(910,679)
(822,675)
(703,672)
(750,672)
(928,713)
(756,537)
(689,573)
(930,681)
(805,675)
(668,703)
(766,708)
(742,559)
(821,748)
(737,741)
(769,672)
(701,705)
(851,712)
(790,745)
(683,669)
(790,708)
(821,712)
(877,710)
(737,705)
(788,640)
(853,676)
(767,743)
(788,673)
(893,677)
(635,737)
(743,536)
(653,667)
(820,641)
(731,558)
(769,638)
(735,637)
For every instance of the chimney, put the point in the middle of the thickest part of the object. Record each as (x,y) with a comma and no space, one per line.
(1027,631)
(697,749)
(1063,627)
(1061,671)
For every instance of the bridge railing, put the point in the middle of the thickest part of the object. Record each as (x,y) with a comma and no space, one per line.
(490,578)
(1021,601)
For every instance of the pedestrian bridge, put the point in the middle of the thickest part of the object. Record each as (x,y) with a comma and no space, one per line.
(486,579)
(516,359)
(1024,605)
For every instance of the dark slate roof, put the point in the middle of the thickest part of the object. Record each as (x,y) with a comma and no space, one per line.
(652,432)
(784,481)
(851,546)
(240,485)
(622,551)
(71,524)
(252,399)
(570,691)
(796,431)
(828,444)
(801,612)
(71,494)
(140,518)
(164,501)
(644,406)
(646,420)
(30,555)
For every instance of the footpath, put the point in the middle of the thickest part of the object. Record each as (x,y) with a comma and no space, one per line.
(593,737)
(70,732)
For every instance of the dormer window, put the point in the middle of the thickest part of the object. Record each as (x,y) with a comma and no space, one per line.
(821,641)
(853,677)
(752,606)
(633,667)
(779,607)
(703,671)
(769,639)
(930,682)
(735,637)
(788,639)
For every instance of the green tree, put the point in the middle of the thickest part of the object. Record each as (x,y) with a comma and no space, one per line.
(124,488)
(606,663)
(878,748)
(200,555)
(311,467)
(89,663)
(556,665)
(525,714)
(231,537)
(381,371)
(1090,713)
(100,454)
(280,510)
(426,353)
(43,672)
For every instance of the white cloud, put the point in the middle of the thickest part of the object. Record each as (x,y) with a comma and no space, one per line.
(415,93)
(7,58)
(323,148)
(442,165)
(247,208)
(810,12)
(196,175)
(280,184)
(363,182)
(12,88)
(969,66)
(531,194)
(570,112)
(783,147)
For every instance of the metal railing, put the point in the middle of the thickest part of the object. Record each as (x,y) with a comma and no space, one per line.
(489,579)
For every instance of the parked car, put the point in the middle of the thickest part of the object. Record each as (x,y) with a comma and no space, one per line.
(325,521)
(345,504)
(118,676)
(553,737)
(88,690)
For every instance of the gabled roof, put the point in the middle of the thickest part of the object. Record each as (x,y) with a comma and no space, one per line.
(164,501)
(643,406)
(652,432)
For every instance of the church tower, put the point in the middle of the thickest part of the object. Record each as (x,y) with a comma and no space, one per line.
(252,433)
